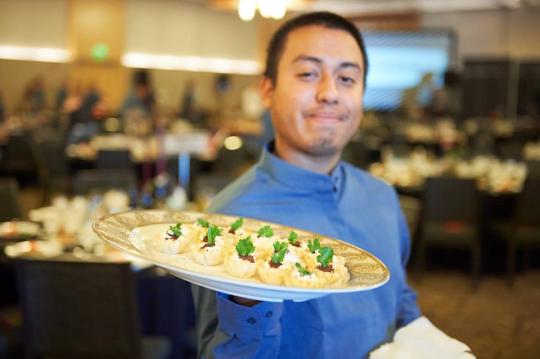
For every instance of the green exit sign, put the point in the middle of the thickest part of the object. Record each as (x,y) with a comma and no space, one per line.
(100,52)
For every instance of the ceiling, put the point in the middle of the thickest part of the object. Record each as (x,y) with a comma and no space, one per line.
(361,7)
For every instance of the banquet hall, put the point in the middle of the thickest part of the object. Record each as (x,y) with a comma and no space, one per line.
(133,105)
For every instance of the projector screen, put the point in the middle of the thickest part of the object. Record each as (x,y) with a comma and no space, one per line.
(398,60)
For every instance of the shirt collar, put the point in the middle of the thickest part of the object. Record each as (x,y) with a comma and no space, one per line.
(297,177)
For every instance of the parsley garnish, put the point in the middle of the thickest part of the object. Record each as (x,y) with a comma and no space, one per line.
(203,223)
(314,245)
(325,256)
(237,224)
(265,231)
(245,247)
(277,257)
(212,233)
(303,271)
(293,238)
(278,246)
(176,229)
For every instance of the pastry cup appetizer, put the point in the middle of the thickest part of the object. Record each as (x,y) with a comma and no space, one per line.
(241,263)
(175,240)
(236,228)
(301,277)
(264,241)
(212,251)
(331,268)
(275,269)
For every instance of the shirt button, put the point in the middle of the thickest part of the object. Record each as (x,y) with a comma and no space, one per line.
(251,320)
(268,314)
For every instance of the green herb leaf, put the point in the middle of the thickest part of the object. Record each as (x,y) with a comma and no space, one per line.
(245,247)
(212,233)
(237,224)
(325,256)
(293,238)
(203,223)
(265,231)
(176,229)
(278,246)
(314,245)
(303,271)
(277,257)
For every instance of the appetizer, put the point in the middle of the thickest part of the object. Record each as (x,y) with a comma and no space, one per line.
(241,263)
(212,251)
(174,241)
(300,276)
(274,271)
(271,258)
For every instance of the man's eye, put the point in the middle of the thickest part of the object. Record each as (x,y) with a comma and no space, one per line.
(347,80)
(307,75)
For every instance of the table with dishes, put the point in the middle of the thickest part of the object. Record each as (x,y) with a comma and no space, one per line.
(499,182)
(63,232)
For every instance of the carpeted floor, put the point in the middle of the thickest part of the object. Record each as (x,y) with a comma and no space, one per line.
(496,321)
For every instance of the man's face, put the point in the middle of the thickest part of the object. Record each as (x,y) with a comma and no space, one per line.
(316,102)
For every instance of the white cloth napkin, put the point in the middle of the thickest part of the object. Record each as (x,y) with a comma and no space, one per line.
(420,339)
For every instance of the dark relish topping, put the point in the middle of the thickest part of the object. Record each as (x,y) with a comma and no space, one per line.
(248,258)
(329,268)
(208,245)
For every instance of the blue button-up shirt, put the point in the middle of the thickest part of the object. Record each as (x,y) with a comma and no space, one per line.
(349,204)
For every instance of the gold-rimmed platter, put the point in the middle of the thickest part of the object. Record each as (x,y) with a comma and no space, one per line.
(133,233)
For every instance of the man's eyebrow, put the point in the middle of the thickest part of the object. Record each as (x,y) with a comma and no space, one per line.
(319,61)
(314,59)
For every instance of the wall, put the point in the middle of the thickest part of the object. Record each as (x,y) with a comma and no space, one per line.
(180,28)
(15,75)
(39,23)
(157,27)
(505,33)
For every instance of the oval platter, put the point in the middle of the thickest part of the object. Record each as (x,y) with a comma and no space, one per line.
(132,232)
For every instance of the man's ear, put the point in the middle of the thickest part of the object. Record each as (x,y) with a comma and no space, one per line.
(267,89)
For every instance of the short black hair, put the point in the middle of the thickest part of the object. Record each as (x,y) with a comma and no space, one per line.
(323,18)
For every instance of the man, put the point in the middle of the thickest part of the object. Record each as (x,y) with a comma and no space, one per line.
(313,86)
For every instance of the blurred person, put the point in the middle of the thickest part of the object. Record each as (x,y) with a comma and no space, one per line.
(61,96)
(85,110)
(187,102)
(313,87)
(416,100)
(34,99)
(2,109)
(447,100)
(141,95)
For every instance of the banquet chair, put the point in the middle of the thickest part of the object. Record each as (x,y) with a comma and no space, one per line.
(522,231)
(450,217)
(10,206)
(411,209)
(20,158)
(53,174)
(533,168)
(87,181)
(114,159)
(74,309)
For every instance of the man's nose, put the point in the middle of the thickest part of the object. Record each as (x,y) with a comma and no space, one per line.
(327,90)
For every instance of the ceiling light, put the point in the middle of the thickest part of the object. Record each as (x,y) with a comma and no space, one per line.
(274,9)
(40,54)
(246,9)
(191,63)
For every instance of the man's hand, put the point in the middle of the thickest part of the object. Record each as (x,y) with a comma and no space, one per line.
(244,301)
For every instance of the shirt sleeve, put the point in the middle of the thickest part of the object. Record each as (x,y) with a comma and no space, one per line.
(408,309)
(229,330)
